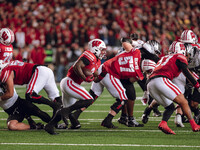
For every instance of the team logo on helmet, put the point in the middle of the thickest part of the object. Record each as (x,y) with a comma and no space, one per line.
(188,36)
(98,48)
(177,48)
(6,36)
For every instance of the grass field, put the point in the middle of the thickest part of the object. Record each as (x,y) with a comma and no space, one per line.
(93,136)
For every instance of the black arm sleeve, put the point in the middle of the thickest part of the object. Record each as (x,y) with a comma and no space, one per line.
(182,66)
(85,61)
(147,55)
(142,84)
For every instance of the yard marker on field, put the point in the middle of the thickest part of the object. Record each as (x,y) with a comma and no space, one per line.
(101,145)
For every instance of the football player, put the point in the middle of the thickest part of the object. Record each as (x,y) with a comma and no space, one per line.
(190,39)
(115,91)
(36,77)
(18,109)
(71,85)
(6,49)
(127,84)
(165,92)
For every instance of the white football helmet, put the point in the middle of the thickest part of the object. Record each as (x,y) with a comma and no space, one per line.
(177,48)
(97,47)
(2,65)
(188,36)
(6,36)
(153,47)
(148,66)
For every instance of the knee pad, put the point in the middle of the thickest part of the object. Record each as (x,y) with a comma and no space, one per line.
(117,106)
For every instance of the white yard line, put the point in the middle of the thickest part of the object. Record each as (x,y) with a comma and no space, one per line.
(101,145)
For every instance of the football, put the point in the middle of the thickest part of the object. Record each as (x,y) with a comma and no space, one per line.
(87,72)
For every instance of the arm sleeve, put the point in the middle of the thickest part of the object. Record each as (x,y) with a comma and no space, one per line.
(147,55)
(142,84)
(183,66)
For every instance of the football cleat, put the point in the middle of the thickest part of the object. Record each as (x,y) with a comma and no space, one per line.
(50,129)
(108,124)
(133,123)
(123,120)
(145,118)
(196,128)
(164,128)
(61,126)
(178,121)
(156,113)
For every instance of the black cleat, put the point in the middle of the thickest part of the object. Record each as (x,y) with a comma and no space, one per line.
(107,124)
(145,118)
(156,113)
(123,120)
(50,129)
(61,126)
(133,123)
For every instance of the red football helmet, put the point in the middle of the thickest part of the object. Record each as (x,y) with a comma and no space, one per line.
(6,36)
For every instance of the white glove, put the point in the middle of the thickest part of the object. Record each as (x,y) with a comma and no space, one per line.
(145,98)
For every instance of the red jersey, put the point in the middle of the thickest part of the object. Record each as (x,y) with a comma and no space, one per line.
(125,65)
(6,52)
(23,72)
(93,66)
(167,67)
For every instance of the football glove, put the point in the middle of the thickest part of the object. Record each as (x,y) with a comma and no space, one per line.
(89,78)
(145,98)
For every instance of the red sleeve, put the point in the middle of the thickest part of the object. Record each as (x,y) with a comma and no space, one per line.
(183,59)
(89,56)
(4,75)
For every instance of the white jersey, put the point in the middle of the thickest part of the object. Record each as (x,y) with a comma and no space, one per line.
(10,102)
(195,62)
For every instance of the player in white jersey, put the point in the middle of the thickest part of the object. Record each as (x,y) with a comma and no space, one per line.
(190,39)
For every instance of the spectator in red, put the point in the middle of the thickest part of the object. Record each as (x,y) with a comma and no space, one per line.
(37,53)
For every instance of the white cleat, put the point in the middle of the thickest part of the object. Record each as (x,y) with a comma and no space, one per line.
(178,121)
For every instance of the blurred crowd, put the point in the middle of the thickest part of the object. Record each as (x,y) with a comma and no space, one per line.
(57,31)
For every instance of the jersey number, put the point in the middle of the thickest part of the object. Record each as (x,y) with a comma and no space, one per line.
(16,63)
(128,60)
(164,60)
(7,56)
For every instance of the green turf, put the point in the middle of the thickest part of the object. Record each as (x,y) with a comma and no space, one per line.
(92,136)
